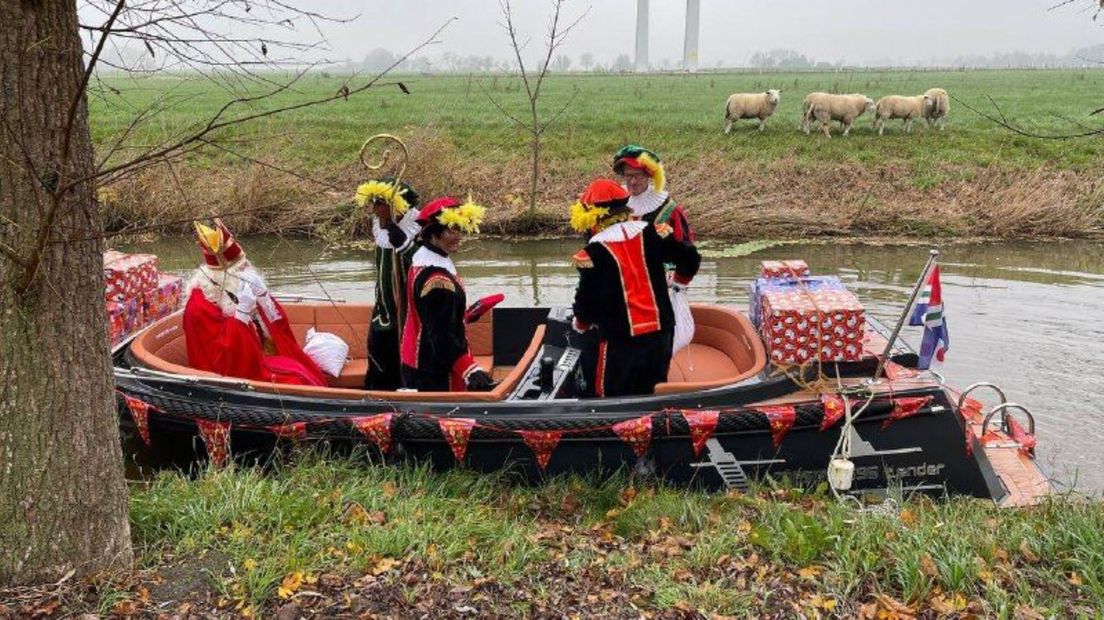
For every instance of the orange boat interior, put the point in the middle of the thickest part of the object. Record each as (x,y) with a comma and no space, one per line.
(725,350)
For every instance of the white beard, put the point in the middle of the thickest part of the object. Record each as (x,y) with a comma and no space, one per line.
(216,283)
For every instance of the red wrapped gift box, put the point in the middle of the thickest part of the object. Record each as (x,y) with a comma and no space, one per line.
(162,300)
(805,326)
(783,269)
(123,317)
(127,276)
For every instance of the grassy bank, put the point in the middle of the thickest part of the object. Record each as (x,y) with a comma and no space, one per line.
(333,537)
(974,179)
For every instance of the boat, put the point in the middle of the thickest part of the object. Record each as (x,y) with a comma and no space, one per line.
(725,417)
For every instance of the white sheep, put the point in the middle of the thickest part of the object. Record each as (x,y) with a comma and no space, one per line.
(940,107)
(826,107)
(751,105)
(897,106)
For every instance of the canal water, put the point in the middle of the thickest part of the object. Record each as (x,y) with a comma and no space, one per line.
(1026,316)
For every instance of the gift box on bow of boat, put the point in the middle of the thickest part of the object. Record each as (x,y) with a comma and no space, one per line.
(127,276)
(123,317)
(760,286)
(162,300)
(783,269)
(802,326)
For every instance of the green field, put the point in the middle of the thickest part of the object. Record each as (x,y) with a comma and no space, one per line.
(460,142)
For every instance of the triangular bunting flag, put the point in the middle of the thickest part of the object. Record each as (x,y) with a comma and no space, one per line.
(906,407)
(702,424)
(295,431)
(377,428)
(542,443)
(834,409)
(971,410)
(895,371)
(781,421)
(139,410)
(637,433)
(456,432)
(1019,435)
(216,436)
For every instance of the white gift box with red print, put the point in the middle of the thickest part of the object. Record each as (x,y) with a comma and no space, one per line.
(799,327)
(127,276)
(162,300)
(783,269)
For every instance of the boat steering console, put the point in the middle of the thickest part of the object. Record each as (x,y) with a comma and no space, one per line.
(552,374)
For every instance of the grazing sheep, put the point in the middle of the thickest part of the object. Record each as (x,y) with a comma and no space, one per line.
(896,106)
(940,107)
(751,105)
(826,107)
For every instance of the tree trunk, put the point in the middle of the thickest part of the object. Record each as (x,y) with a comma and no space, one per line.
(62,491)
(534,172)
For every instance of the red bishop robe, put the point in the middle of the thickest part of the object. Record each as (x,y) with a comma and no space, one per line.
(224,345)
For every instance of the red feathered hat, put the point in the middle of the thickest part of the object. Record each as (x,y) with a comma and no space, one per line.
(429,213)
(604,193)
(219,247)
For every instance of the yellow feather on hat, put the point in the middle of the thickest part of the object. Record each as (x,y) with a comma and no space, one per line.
(585,218)
(655,169)
(210,237)
(379,190)
(466,217)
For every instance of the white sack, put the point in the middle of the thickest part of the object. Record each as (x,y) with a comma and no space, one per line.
(684,320)
(327,350)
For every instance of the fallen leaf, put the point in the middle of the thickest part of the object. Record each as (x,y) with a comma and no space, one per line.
(1027,553)
(290,584)
(388,489)
(249,564)
(809,572)
(928,567)
(627,495)
(1026,612)
(907,517)
(382,565)
(1076,579)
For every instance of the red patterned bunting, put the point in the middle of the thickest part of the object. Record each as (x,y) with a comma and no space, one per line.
(456,432)
(377,428)
(637,433)
(834,409)
(216,436)
(542,443)
(906,407)
(295,431)
(139,410)
(895,371)
(702,424)
(781,421)
(971,410)
(1022,437)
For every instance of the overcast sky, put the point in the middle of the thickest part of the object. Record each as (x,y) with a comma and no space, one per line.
(857,31)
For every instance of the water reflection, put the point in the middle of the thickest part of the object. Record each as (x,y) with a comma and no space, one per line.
(1027,316)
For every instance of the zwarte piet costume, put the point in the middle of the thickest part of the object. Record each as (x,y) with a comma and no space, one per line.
(622,292)
(395,236)
(435,352)
(655,205)
(230,319)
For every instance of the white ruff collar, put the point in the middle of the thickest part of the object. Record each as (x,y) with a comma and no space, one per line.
(426,257)
(647,201)
(621,231)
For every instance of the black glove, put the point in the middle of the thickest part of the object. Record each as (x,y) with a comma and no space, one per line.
(480,381)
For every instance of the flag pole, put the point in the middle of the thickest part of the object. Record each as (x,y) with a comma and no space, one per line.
(934,254)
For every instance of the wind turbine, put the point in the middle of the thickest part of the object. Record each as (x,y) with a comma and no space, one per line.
(690,40)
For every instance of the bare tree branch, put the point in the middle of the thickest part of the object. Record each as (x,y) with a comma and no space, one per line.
(1003,121)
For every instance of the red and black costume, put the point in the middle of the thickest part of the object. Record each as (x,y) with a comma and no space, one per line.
(234,344)
(622,293)
(435,352)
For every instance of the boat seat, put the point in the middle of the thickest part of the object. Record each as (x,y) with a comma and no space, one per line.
(725,349)
(162,347)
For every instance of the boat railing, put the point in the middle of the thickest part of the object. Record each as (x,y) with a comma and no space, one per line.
(140,373)
(1006,426)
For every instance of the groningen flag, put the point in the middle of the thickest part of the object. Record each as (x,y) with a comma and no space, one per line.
(936,340)
(921,307)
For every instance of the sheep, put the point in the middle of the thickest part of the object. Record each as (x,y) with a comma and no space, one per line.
(751,105)
(940,107)
(896,106)
(826,107)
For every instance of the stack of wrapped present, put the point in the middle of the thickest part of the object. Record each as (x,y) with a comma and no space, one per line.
(136,293)
(804,318)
